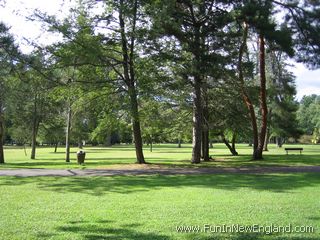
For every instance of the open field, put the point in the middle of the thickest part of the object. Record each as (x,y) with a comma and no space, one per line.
(164,155)
(150,207)
(154,206)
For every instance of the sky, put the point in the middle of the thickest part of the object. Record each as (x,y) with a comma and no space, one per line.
(14,13)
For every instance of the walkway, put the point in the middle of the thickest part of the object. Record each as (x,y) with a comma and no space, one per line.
(166,171)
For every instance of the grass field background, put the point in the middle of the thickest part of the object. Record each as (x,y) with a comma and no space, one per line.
(150,207)
(163,155)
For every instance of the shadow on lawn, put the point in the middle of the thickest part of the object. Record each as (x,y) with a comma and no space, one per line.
(130,184)
(102,230)
(106,230)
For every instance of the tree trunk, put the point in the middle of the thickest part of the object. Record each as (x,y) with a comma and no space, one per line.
(205,131)
(129,77)
(233,143)
(263,99)
(279,142)
(136,126)
(68,132)
(266,141)
(1,137)
(150,145)
(245,95)
(179,142)
(108,140)
(197,97)
(205,145)
(197,122)
(231,149)
(55,147)
(35,128)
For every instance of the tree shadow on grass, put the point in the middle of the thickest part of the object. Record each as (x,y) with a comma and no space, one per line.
(106,229)
(245,160)
(130,184)
(102,230)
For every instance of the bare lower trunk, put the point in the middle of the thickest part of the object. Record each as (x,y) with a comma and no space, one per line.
(35,128)
(266,141)
(55,147)
(231,149)
(1,139)
(279,142)
(205,145)
(197,122)
(233,143)
(68,132)
(179,142)
(136,126)
(205,131)
(128,65)
(263,100)
(1,135)
(151,145)
(245,94)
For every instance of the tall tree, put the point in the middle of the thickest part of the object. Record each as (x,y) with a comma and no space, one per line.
(8,57)
(115,50)
(196,25)
(257,16)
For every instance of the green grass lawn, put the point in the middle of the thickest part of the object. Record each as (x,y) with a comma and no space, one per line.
(150,207)
(163,155)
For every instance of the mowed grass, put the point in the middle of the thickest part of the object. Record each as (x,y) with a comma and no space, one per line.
(151,207)
(163,155)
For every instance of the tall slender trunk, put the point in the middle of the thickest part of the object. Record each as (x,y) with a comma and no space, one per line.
(266,141)
(197,122)
(205,131)
(55,147)
(179,142)
(129,77)
(68,132)
(245,95)
(35,127)
(262,98)
(197,97)
(1,138)
(233,142)
(258,139)
(151,145)
(136,126)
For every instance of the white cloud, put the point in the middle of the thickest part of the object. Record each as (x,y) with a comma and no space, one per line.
(307,81)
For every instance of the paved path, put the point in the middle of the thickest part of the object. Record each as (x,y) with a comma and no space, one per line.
(167,171)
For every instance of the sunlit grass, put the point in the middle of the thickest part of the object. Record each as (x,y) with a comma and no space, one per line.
(150,207)
(163,155)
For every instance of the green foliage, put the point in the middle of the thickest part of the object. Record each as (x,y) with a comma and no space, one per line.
(309,115)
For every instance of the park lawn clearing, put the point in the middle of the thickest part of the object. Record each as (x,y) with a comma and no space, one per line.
(163,156)
(152,207)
